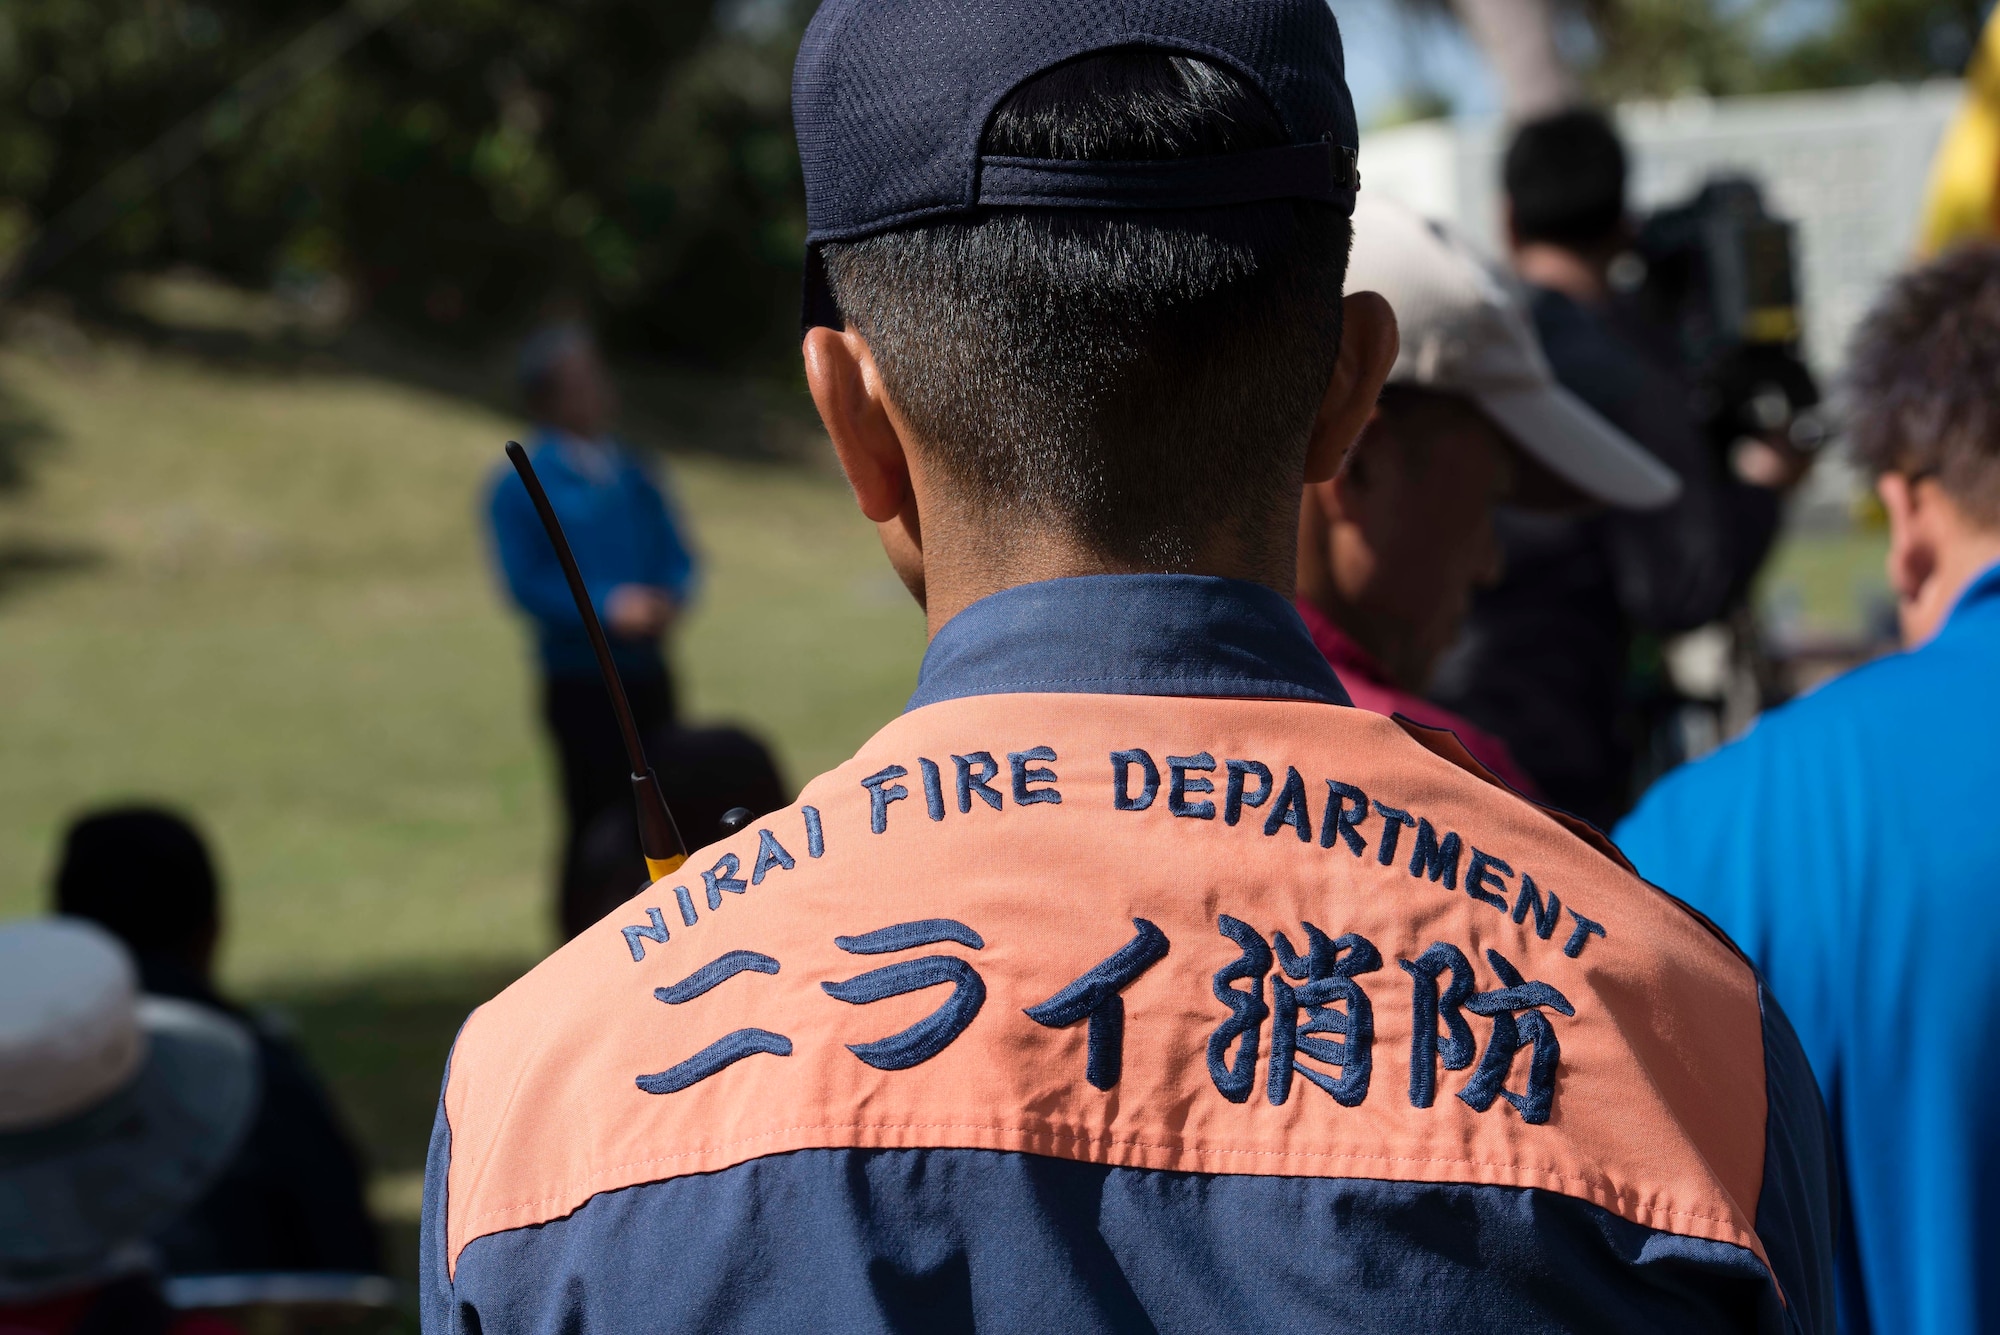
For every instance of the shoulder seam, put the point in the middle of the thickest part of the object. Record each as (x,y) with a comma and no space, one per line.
(1592,1191)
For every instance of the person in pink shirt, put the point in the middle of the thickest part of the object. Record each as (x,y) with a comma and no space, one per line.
(1392,548)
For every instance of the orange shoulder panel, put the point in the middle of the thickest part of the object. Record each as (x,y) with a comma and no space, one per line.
(1585,1034)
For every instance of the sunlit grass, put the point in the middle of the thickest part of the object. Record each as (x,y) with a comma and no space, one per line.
(1827,581)
(265,599)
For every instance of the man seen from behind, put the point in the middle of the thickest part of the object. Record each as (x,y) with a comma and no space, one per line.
(1847,827)
(292,1197)
(1130,980)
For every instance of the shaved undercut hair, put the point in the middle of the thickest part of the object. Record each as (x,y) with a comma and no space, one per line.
(1133,379)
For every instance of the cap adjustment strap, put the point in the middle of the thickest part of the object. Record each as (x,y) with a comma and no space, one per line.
(1325,171)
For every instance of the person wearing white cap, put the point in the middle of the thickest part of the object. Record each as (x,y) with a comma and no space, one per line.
(1561,656)
(116,1112)
(1391,549)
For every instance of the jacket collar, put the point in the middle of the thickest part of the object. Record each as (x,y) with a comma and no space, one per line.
(1984,588)
(586,463)
(1128,635)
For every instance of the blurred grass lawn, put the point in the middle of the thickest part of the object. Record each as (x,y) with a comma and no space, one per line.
(264,599)
(1827,581)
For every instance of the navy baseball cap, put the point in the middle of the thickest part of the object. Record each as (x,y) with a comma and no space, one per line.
(891,98)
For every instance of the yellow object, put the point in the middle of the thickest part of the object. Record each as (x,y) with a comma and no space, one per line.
(1962,202)
(1772,324)
(659,869)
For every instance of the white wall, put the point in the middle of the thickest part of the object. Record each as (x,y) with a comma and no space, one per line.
(1847,166)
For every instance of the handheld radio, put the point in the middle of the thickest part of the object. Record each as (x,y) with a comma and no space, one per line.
(659,837)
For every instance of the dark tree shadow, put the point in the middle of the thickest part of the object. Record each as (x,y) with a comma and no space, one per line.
(746,416)
(380,1041)
(24,561)
(24,436)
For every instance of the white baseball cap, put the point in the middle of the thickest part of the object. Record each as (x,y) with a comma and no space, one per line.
(1466,331)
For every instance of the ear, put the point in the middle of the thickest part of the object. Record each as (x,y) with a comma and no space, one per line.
(1897,502)
(1315,555)
(1368,345)
(1361,471)
(1916,552)
(847,390)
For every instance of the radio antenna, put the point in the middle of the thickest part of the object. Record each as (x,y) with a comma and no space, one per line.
(659,837)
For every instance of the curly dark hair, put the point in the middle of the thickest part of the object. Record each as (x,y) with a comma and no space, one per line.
(1923,380)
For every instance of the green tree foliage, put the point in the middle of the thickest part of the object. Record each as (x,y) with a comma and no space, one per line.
(1875,40)
(1663,48)
(1659,48)
(1656,48)
(461,164)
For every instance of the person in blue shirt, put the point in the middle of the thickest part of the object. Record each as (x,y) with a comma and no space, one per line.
(637,565)
(1848,842)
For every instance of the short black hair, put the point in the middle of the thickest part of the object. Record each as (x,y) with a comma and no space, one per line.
(541,355)
(1137,380)
(1565,179)
(1923,380)
(144,874)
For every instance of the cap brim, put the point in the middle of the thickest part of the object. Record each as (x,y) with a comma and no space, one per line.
(72,1194)
(1560,431)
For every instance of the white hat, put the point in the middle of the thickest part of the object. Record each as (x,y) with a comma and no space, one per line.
(116,1110)
(1465,331)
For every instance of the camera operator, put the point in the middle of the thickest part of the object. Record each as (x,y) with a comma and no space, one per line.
(1545,660)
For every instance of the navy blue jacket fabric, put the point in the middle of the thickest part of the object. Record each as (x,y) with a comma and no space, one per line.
(622,529)
(875,1240)
(1128,635)
(969,1240)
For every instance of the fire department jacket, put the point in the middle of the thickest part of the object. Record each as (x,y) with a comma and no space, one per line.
(1131,980)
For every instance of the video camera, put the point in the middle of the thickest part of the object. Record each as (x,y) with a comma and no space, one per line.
(1720,276)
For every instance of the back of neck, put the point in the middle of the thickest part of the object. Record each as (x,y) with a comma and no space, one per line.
(963,565)
(1582,278)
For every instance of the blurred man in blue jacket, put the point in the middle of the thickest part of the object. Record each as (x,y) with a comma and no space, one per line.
(1849,825)
(637,565)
